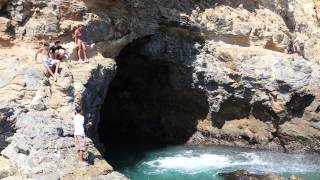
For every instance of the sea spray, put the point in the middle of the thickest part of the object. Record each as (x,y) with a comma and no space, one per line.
(205,162)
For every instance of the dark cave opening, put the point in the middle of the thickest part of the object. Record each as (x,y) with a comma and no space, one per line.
(145,105)
(232,108)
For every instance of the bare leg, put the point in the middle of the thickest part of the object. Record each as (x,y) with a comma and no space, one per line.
(79,49)
(49,70)
(81,156)
(84,51)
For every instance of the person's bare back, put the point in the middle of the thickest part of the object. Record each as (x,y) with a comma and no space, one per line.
(47,61)
(44,52)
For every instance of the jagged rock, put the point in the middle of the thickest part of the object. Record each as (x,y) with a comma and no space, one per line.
(4,24)
(295,178)
(4,28)
(8,116)
(245,175)
(7,169)
(3,3)
(31,138)
(13,178)
(49,177)
(36,137)
(229,51)
(112,176)
(43,26)
(18,10)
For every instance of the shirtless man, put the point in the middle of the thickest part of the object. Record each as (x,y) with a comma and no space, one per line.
(47,61)
(279,107)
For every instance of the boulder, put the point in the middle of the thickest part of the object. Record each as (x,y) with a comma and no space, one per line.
(245,175)
(7,169)
(3,4)
(4,24)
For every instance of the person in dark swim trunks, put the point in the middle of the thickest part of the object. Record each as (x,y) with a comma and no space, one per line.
(57,51)
(290,48)
(81,45)
(47,61)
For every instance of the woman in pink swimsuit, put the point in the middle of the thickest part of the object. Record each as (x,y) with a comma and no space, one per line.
(81,45)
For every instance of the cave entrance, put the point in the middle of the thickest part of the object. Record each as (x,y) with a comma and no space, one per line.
(144,104)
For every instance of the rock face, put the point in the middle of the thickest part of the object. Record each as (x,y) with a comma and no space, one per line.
(231,83)
(36,124)
(258,96)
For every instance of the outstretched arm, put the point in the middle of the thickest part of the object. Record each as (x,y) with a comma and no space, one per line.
(62,48)
(88,125)
(36,56)
(51,55)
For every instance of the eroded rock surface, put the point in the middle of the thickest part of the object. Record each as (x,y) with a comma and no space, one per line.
(231,52)
(36,124)
(245,175)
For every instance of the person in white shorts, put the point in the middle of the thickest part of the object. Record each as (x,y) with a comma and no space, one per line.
(48,62)
(79,135)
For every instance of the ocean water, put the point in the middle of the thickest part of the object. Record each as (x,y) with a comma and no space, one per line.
(205,162)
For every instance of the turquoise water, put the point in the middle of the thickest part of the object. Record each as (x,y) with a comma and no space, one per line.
(205,162)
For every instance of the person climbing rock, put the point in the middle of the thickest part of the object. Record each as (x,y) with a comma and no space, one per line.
(296,47)
(279,108)
(57,51)
(79,134)
(80,43)
(299,48)
(290,49)
(51,65)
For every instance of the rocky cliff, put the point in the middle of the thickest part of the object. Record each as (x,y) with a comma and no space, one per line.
(205,71)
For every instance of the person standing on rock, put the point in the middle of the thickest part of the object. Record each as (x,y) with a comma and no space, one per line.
(47,61)
(78,37)
(79,134)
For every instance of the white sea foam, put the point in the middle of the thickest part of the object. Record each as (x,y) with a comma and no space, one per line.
(250,159)
(203,161)
(278,163)
(191,163)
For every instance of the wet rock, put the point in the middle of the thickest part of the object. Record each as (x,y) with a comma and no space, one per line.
(295,178)
(245,175)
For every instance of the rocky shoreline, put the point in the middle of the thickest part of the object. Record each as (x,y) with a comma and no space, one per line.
(224,58)
(245,175)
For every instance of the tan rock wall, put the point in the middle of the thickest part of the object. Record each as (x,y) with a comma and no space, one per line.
(240,40)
